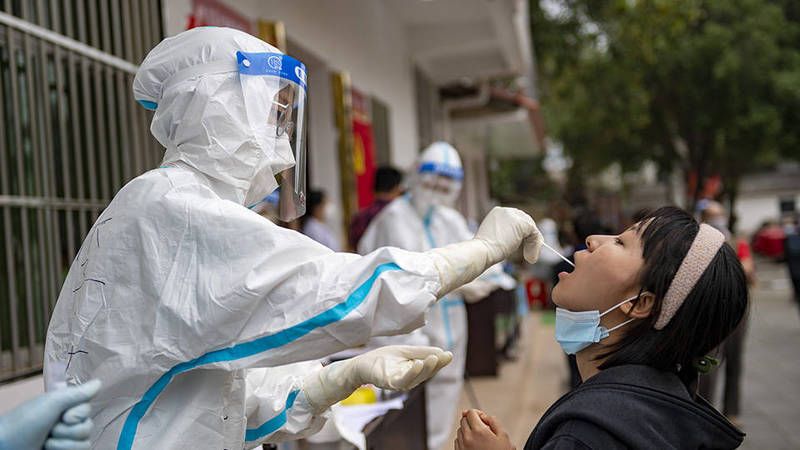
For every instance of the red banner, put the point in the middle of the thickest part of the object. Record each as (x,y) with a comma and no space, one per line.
(363,149)
(712,185)
(214,12)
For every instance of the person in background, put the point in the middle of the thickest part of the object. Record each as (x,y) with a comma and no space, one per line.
(792,252)
(315,222)
(422,220)
(388,186)
(732,350)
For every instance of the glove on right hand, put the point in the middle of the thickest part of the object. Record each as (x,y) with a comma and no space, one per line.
(396,367)
(500,234)
(504,229)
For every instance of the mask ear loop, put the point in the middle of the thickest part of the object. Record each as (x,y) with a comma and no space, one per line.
(615,327)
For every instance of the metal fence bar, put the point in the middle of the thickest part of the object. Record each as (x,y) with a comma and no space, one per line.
(8,243)
(51,239)
(63,141)
(55,157)
(128,55)
(37,216)
(157,30)
(69,21)
(77,141)
(86,103)
(17,143)
(131,138)
(98,124)
(51,242)
(156,33)
(136,24)
(121,149)
(20,78)
(144,36)
(145,45)
(71,44)
(72,136)
(77,138)
(57,203)
(117,31)
(139,157)
(100,127)
(110,97)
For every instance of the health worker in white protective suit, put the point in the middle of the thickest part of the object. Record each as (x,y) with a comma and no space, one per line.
(192,309)
(422,220)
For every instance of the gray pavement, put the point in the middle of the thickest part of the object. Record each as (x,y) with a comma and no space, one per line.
(771,382)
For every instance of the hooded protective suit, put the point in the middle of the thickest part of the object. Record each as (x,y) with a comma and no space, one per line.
(183,301)
(418,222)
(190,307)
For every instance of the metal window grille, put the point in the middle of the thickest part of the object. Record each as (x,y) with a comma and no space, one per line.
(71,136)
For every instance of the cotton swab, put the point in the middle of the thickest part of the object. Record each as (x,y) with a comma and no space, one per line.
(559,254)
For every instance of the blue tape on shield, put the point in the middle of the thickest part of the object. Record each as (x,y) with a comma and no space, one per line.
(445,170)
(274,64)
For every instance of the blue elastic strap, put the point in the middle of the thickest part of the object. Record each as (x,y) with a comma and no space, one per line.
(272,425)
(272,198)
(426,221)
(444,170)
(247,349)
(148,105)
(445,304)
(274,64)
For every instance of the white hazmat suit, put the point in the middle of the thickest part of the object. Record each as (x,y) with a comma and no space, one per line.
(191,308)
(419,222)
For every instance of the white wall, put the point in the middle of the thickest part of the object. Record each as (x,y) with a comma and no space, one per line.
(361,37)
(753,210)
(323,163)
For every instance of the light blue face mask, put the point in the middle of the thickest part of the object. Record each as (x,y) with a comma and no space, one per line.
(576,330)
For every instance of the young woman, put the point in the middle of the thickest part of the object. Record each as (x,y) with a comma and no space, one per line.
(640,311)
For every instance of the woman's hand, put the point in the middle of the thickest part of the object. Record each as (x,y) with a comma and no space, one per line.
(480,431)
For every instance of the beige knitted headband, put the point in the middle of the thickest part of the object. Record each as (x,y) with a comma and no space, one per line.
(705,246)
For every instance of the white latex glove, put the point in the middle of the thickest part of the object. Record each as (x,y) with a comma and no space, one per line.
(53,421)
(476,291)
(396,367)
(500,234)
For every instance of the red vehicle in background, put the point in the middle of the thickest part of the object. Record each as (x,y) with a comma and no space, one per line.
(769,240)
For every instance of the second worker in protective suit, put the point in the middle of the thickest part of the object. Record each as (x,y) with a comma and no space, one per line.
(191,308)
(422,220)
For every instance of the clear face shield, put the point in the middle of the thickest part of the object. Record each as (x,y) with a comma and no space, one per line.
(441,181)
(274,88)
(435,185)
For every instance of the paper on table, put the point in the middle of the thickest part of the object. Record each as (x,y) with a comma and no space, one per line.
(351,420)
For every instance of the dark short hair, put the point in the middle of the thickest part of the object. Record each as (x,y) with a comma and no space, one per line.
(711,312)
(387,179)
(315,198)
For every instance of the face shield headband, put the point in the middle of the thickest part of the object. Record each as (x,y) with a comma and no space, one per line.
(274,88)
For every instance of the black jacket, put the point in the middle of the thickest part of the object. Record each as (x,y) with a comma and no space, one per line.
(633,406)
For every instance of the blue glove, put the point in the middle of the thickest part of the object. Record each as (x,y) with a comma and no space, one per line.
(57,420)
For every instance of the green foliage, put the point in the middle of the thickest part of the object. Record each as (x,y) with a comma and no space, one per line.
(712,86)
(516,181)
